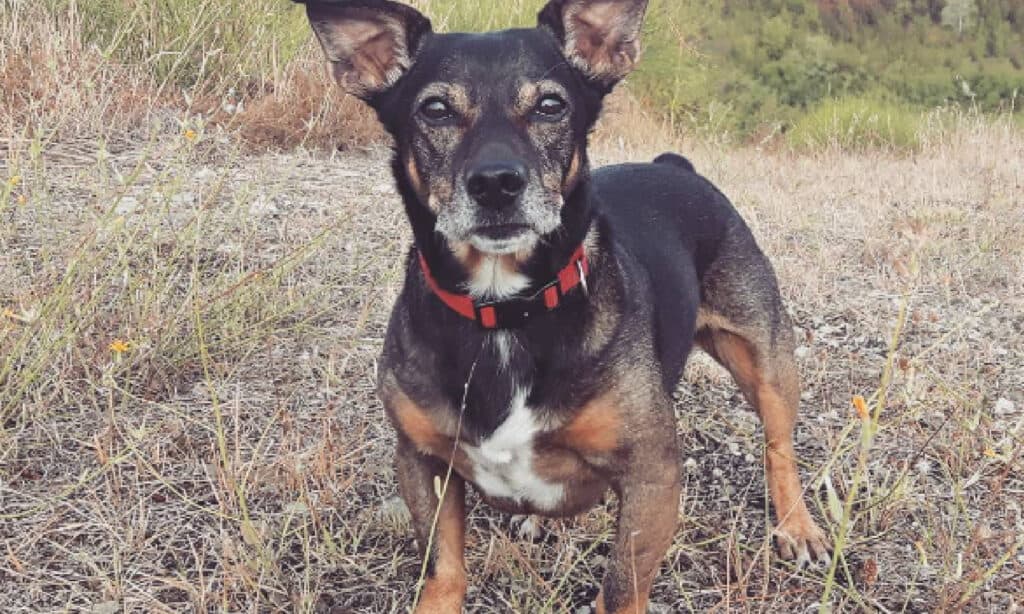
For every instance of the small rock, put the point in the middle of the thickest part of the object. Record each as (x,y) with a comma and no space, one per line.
(263,207)
(802,352)
(584,609)
(1005,406)
(204,174)
(127,204)
(108,607)
(183,199)
(394,512)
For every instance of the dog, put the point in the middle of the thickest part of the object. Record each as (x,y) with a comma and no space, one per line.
(548,309)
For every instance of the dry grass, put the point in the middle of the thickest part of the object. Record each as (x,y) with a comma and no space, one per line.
(188,332)
(56,84)
(233,457)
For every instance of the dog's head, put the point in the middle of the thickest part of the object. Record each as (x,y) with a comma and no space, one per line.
(490,129)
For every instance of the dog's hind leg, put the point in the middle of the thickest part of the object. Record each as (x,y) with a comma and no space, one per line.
(742,325)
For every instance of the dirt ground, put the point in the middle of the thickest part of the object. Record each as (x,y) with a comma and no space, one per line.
(231,455)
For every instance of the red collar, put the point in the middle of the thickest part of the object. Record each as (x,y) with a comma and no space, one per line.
(514,312)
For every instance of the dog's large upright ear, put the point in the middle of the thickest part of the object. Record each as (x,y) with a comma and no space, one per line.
(370,43)
(600,37)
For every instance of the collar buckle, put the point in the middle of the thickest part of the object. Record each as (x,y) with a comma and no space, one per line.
(509,313)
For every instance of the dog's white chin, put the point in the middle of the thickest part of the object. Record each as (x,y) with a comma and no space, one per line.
(498,247)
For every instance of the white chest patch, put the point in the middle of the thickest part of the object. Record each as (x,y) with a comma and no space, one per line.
(502,343)
(492,280)
(503,463)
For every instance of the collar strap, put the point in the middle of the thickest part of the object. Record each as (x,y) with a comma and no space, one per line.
(514,312)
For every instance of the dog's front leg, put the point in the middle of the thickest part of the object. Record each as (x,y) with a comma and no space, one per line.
(648,515)
(441,545)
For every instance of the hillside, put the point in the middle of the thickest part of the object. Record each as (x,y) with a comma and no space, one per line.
(753,66)
(852,73)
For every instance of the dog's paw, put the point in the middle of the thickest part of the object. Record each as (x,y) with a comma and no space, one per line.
(800,538)
(442,596)
(527,528)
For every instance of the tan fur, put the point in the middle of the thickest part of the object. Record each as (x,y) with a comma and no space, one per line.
(594,430)
(471,258)
(768,379)
(530,92)
(526,98)
(416,180)
(445,591)
(417,424)
(420,427)
(456,95)
(572,176)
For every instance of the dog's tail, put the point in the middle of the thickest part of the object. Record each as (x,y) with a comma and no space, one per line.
(675,160)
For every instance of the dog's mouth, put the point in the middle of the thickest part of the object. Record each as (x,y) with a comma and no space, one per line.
(501,232)
(503,238)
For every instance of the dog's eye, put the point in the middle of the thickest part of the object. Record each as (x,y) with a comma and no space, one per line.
(550,106)
(436,110)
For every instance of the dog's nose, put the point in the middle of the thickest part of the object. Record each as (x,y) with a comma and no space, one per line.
(496,184)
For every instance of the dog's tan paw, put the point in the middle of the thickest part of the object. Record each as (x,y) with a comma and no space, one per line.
(800,538)
(442,596)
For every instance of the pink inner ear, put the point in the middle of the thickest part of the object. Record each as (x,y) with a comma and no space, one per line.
(601,16)
(367,49)
(603,36)
(376,57)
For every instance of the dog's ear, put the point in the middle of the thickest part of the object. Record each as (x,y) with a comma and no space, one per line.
(600,37)
(370,43)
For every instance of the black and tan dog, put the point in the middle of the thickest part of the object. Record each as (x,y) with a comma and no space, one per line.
(548,310)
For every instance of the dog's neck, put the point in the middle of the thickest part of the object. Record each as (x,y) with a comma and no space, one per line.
(522,276)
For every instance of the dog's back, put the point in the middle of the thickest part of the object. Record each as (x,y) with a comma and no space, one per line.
(672,223)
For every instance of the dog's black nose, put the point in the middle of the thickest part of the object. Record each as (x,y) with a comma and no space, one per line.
(496,184)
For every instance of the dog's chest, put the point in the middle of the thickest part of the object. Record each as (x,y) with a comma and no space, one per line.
(503,463)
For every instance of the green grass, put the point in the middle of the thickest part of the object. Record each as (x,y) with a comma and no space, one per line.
(746,72)
(858,123)
(189,42)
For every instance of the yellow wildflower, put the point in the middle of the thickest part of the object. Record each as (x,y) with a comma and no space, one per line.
(14,181)
(989,452)
(9,313)
(119,346)
(861,406)
(190,134)
(22,199)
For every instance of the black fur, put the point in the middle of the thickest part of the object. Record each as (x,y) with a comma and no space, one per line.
(667,251)
(660,222)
